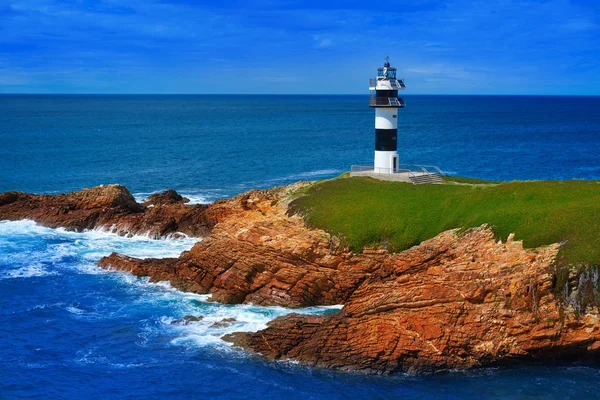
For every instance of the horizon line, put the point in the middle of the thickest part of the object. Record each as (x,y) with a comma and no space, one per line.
(294,94)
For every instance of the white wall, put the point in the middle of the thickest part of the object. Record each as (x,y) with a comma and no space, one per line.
(384,118)
(383,161)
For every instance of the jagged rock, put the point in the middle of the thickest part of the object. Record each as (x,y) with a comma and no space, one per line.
(110,196)
(455,301)
(169,196)
(224,323)
(10,197)
(187,319)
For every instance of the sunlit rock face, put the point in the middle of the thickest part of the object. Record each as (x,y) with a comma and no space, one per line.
(257,254)
(455,301)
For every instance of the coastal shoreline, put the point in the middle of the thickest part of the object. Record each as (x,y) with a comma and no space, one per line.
(458,300)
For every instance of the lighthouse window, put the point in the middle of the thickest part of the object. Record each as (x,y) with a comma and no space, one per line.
(394,116)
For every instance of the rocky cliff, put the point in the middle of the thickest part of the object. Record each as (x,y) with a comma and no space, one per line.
(455,301)
(459,300)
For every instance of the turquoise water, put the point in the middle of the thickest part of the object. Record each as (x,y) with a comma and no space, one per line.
(69,329)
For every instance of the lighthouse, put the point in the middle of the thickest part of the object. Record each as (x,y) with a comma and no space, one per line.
(385,100)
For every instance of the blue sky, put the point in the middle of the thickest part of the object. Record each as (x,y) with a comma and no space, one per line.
(262,46)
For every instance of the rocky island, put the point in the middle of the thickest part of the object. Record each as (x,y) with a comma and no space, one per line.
(458,298)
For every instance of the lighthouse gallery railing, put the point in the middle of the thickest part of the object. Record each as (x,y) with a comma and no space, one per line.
(386,101)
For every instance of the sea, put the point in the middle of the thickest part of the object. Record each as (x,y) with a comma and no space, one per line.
(71,330)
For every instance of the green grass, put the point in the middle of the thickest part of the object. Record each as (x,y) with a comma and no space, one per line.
(470,181)
(366,212)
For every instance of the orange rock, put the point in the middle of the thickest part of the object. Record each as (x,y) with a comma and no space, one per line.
(473,303)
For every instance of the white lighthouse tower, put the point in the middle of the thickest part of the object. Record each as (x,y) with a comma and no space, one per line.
(385,100)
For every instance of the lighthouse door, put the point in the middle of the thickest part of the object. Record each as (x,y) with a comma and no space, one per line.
(395,163)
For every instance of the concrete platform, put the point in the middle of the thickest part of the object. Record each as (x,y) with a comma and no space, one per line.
(409,177)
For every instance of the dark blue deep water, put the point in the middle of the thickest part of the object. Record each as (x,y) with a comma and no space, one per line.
(70,330)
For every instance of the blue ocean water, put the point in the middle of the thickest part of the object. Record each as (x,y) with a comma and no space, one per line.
(71,330)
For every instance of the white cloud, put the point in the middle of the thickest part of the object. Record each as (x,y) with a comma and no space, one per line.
(322,43)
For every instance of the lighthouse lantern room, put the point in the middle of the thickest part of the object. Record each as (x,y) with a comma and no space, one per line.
(385,100)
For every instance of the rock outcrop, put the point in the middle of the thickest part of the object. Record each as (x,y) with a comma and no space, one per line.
(187,320)
(459,300)
(257,254)
(110,207)
(455,301)
(169,196)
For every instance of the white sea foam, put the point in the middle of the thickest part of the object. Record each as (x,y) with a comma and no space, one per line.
(29,271)
(23,227)
(247,317)
(94,243)
(211,328)
(89,357)
(198,199)
(75,310)
(30,250)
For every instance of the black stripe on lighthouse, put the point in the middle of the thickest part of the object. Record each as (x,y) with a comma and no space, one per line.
(386,93)
(386,139)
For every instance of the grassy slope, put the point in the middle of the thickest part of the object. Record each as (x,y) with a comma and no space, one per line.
(364,212)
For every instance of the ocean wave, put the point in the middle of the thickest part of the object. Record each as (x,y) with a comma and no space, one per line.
(198,199)
(60,244)
(24,227)
(30,228)
(29,250)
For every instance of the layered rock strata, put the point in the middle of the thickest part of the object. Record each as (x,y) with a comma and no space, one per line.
(455,301)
